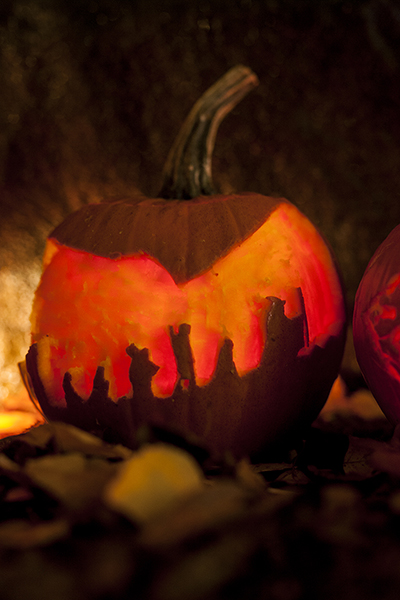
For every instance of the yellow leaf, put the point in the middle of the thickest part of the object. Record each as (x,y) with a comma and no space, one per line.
(153,481)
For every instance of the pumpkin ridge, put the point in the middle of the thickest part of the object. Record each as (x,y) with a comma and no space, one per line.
(132,234)
(186,236)
(240,234)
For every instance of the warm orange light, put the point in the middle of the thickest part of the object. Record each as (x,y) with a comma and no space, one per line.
(17,421)
(382,323)
(89,309)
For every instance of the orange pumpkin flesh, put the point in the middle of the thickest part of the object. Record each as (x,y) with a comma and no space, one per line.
(222,316)
(136,300)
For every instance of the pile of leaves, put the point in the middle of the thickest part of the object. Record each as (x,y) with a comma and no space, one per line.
(91,521)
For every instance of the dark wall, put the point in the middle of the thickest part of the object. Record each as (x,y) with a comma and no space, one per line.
(93,93)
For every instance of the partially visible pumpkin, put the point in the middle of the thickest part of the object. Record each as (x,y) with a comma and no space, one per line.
(219,315)
(376,325)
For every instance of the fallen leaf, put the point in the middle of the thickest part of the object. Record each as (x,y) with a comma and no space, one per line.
(67,438)
(73,479)
(358,463)
(153,480)
(211,508)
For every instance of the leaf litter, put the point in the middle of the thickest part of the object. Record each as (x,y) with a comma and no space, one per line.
(85,519)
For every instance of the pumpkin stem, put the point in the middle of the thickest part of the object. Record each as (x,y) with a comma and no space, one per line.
(187,171)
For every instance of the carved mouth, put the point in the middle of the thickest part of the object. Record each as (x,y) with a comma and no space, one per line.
(104,305)
(242,413)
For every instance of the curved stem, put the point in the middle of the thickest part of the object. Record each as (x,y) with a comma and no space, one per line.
(187,171)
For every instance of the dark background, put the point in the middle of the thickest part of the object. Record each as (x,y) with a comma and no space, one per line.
(92,94)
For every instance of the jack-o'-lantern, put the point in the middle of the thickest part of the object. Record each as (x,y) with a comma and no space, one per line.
(216,315)
(376,325)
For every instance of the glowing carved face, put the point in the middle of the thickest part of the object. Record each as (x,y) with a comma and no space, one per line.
(88,309)
(376,325)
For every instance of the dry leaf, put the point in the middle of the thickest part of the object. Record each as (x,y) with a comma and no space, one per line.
(61,437)
(358,463)
(217,504)
(72,479)
(153,480)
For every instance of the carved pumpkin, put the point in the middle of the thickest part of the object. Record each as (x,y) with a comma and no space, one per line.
(376,325)
(219,315)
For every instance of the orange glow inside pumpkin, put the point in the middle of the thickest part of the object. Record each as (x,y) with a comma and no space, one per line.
(382,321)
(89,309)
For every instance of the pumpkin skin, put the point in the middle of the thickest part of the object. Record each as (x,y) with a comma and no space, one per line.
(220,316)
(376,325)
